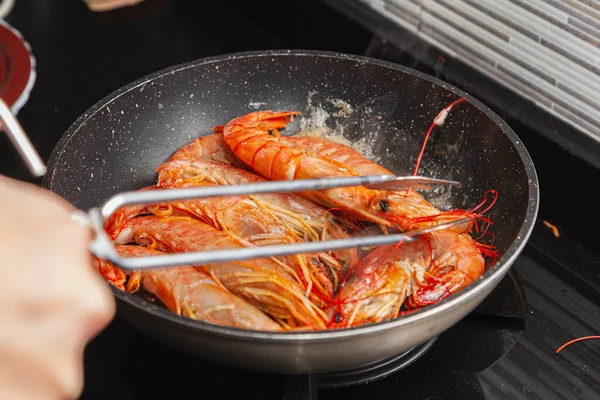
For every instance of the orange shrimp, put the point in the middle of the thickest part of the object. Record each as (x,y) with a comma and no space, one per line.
(391,276)
(189,292)
(379,285)
(255,140)
(200,164)
(307,220)
(240,218)
(458,262)
(114,275)
(173,173)
(263,283)
(403,209)
(209,148)
(410,209)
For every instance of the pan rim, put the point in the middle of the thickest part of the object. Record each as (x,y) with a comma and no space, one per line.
(490,276)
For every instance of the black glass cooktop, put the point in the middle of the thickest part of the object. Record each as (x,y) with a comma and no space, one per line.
(504,350)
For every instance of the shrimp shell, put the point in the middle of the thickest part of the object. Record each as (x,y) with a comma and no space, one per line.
(261,282)
(191,293)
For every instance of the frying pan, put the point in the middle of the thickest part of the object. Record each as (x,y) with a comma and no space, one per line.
(386,108)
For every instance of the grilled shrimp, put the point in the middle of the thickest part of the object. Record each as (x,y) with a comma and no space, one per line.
(417,209)
(307,220)
(255,140)
(263,283)
(209,148)
(240,218)
(406,274)
(192,293)
(196,161)
(407,209)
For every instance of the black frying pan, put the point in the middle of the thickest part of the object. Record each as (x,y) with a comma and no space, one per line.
(117,144)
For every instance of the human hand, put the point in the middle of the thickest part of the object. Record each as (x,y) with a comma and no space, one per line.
(52,301)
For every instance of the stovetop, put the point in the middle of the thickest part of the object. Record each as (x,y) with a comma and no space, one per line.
(505,350)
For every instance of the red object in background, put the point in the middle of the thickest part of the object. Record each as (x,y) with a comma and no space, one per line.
(17,67)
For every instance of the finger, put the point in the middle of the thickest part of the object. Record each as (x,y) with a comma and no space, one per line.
(73,374)
(98,306)
(94,300)
(39,366)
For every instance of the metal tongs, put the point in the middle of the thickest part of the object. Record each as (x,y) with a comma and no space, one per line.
(103,248)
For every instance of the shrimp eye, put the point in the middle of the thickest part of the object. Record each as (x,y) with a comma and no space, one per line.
(385,206)
(271,132)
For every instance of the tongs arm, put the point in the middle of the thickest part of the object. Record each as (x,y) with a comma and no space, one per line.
(389,182)
(103,248)
(21,142)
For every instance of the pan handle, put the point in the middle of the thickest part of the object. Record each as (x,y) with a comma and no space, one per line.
(20,140)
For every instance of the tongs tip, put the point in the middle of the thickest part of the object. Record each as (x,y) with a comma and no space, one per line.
(406,182)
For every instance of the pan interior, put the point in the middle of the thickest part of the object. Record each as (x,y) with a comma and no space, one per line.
(384,110)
